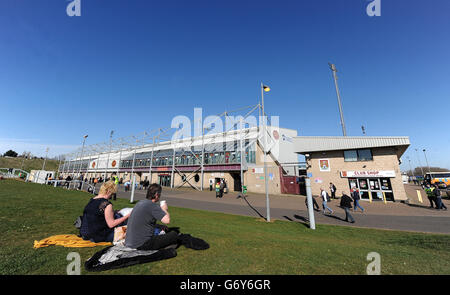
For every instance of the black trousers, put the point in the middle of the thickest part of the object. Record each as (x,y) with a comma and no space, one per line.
(431,199)
(315,204)
(160,241)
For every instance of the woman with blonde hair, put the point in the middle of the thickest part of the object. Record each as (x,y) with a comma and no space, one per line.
(98,221)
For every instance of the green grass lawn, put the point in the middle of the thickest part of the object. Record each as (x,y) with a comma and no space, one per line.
(239,245)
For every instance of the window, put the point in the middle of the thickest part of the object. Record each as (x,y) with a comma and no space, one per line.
(350,156)
(358,155)
(365,155)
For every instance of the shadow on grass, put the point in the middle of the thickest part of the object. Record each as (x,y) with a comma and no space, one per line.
(304,221)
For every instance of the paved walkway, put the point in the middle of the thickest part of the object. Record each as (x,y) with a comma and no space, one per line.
(393,216)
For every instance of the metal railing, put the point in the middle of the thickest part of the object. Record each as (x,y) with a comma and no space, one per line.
(72,184)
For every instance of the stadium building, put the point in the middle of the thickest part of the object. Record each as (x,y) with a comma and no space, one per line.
(179,163)
(236,156)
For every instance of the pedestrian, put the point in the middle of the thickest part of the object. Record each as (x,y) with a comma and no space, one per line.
(325,198)
(217,190)
(346,204)
(225,186)
(431,197)
(356,197)
(115,179)
(333,190)
(222,187)
(438,199)
(315,204)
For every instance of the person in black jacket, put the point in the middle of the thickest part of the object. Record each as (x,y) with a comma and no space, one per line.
(356,197)
(346,204)
(438,198)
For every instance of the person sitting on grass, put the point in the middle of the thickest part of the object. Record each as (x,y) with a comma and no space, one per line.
(98,216)
(143,233)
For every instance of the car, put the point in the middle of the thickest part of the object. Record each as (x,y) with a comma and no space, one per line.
(448,192)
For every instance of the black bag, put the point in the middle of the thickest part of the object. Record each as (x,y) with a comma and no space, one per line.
(78,222)
(328,197)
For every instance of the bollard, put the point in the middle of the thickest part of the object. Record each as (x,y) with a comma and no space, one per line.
(384,197)
(370,197)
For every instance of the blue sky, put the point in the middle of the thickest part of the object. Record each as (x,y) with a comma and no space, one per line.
(133,65)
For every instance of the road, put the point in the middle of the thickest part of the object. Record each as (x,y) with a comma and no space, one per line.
(391,216)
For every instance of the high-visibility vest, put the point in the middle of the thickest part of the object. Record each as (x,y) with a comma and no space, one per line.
(429,191)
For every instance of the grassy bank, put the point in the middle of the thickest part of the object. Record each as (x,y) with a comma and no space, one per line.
(28,164)
(239,245)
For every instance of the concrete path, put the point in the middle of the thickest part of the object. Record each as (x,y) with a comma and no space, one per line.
(393,216)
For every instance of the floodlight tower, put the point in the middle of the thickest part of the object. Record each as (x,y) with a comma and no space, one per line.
(334,70)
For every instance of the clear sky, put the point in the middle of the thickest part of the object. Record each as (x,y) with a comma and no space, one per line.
(133,65)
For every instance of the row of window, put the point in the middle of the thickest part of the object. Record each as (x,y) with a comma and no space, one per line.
(189,159)
(210,158)
(358,155)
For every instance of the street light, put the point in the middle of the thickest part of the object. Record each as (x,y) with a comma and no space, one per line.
(418,158)
(203,153)
(334,70)
(81,155)
(266,89)
(427,161)
(107,161)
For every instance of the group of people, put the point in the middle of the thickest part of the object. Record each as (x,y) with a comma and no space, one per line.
(143,233)
(220,188)
(434,196)
(347,202)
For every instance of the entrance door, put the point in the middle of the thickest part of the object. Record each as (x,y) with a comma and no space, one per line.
(375,189)
(363,188)
(164,180)
(237,181)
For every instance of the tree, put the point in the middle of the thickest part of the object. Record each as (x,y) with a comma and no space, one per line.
(418,170)
(10,153)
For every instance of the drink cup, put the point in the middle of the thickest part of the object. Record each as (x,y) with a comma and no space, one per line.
(162,203)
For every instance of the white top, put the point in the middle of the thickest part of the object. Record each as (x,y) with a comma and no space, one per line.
(324,196)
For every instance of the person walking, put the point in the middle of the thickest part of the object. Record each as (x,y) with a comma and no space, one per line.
(217,190)
(325,198)
(356,197)
(222,187)
(431,197)
(346,204)
(333,190)
(315,204)
(115,179)
(438,198)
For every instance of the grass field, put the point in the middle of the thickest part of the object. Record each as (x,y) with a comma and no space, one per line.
(239,245)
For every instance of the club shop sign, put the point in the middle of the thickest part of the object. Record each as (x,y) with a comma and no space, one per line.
(374,173)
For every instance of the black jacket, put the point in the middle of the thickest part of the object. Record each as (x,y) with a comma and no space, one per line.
(355,195)
(346,201)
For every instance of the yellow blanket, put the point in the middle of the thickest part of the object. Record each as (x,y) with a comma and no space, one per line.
(70,241)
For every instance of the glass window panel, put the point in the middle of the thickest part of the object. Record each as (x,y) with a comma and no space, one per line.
(350,156)
(365,155)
